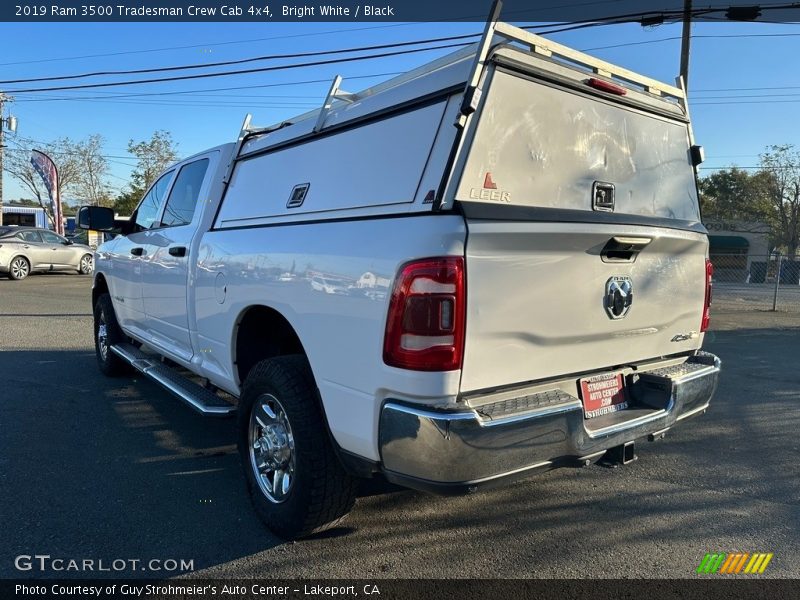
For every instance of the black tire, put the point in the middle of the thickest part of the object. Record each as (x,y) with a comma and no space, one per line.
(19,268)
(109,363)
(321,492)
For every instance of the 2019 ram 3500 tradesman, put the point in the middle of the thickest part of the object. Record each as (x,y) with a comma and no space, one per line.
(376,291)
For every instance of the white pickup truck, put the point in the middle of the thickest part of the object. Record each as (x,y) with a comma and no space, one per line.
(490,266)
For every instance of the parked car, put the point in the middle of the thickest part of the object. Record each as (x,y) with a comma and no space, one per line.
(547,279)
(329,286)
(26,250)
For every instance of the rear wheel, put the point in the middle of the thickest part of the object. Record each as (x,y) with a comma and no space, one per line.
(86,265)
(107,332)
(296,483)
(19,268)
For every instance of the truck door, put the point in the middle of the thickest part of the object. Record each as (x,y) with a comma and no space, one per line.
(165,270)
(128,254)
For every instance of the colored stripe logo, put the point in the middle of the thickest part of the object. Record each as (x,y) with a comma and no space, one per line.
(734,563)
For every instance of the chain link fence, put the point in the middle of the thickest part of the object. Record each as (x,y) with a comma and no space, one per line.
(757,282)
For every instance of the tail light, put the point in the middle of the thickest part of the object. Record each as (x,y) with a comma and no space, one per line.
(707,304)
(425,326)
(606,86)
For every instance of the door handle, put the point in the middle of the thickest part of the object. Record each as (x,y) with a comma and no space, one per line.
(137,251)
(623,248)
(177,251)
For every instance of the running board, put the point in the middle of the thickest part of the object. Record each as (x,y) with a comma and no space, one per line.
(196,396)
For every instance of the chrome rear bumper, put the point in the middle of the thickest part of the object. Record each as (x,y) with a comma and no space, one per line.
(458,451)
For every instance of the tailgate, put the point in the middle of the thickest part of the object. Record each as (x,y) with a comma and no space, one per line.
(585,250)
(537,299)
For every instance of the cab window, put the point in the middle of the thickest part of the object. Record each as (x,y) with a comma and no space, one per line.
(185,192)
(147,213)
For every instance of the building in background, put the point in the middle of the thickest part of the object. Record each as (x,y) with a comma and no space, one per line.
(27,216)
(740,251)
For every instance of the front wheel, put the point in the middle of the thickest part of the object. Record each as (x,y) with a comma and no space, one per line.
(107,332)
(296,483)
(86,265)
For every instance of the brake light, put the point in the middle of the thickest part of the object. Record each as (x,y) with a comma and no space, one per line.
(707,304)
(606,86)
(425,325)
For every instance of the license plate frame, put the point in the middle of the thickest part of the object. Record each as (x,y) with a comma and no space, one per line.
(603,394)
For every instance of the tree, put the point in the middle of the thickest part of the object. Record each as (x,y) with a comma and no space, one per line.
(153,156)
(126,202)
(782,164)
(18,165)
(735,194)
(90,185)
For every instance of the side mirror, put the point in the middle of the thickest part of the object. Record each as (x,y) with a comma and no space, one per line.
(96,218)
(68,242)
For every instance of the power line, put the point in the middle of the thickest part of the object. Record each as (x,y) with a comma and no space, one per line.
(220,89)
(243,60)
(239,72)
(628,18)
(280,37)
(718,103)
(189,47)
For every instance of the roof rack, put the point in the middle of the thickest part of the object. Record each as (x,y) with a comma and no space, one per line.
(551,49)
(245,132)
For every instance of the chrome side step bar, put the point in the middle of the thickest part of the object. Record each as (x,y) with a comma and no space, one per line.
(197,397)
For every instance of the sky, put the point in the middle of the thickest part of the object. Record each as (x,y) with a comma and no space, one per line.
(744,84)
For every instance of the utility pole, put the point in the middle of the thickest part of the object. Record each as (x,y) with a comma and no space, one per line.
(11,124)
(685,41)
(2,147)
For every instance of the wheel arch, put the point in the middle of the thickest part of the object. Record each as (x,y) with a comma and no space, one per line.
(262,332)
(99,288)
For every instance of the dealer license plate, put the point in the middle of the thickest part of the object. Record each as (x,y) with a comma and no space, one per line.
(603,394)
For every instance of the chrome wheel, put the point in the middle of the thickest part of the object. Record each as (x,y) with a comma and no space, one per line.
(102,336)
(19,268)
(271,445)
(87,264)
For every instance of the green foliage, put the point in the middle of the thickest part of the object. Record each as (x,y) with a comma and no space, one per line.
(126,202)
(770,195)
(735,194)
(153,155)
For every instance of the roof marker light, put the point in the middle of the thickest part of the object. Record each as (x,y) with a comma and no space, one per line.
(606,86)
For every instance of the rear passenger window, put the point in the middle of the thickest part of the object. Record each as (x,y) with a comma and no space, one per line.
(185,192)
(30,236)
(149,206)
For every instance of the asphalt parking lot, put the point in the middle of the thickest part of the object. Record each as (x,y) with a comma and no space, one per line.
(102,468)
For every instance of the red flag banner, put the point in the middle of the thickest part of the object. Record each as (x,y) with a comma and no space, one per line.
(46,168)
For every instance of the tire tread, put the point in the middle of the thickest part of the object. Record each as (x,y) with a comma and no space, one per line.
(331,491)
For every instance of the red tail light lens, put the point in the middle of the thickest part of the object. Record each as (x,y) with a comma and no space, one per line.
(707,304)
(606,86)
(425,326)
